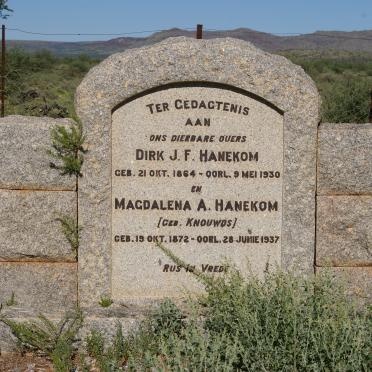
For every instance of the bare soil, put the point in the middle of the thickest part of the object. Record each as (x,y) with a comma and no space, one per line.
(12,362)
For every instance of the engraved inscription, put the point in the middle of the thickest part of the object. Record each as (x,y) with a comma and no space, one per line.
(200,170)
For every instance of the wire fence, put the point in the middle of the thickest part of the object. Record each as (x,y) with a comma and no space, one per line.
(320,34)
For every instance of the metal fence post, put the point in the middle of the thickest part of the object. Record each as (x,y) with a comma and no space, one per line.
(199,31)
(3,71)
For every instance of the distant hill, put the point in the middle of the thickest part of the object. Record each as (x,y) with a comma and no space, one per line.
(355,41)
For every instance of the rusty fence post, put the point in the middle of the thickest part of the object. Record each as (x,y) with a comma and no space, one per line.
(2,71)
(199,31)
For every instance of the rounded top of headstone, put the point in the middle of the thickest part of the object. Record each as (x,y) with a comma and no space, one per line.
(226,61)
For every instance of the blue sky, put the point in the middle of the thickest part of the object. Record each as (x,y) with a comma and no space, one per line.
(117,16)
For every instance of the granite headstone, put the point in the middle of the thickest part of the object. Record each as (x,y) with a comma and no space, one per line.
(206,146)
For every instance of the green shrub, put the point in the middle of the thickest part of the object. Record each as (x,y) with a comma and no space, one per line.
(106,302)
(11,301)
(42,84)
(54,340)
(344,81)
(67,148)
(347,101)
(167,319)
(108,358)
(282,323)
(71,230)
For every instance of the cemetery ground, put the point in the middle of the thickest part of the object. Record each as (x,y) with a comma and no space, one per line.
(25,362)
(41,84)
(280,324)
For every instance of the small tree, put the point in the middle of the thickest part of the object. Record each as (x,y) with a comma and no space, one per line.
(4,9)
